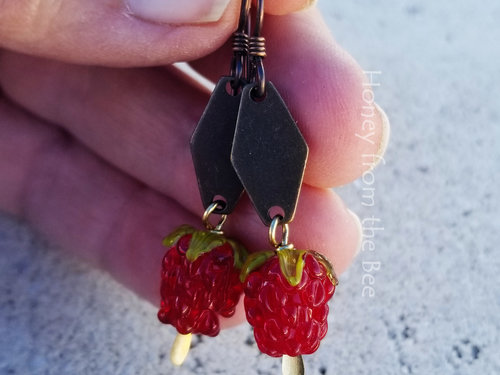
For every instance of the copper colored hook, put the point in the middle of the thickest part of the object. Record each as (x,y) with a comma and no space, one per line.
(239,63)
(257,51)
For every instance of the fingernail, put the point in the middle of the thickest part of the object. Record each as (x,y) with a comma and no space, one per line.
(386,130)
(360,231)
(311,3)
(384,139)
(177,12)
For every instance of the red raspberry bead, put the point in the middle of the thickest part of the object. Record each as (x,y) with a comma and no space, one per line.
(194,292)
(289,319)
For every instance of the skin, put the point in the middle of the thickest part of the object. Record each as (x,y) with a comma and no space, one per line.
(95,157)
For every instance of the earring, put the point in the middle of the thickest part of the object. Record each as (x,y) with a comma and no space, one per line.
(286,295)
(199,282)
(200,270)
(286,289)
(247,140)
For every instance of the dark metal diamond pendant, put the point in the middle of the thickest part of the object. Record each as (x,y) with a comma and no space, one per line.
(211,149)
(269,153)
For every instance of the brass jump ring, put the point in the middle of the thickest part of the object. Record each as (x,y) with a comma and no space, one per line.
(277,220)
(206,215)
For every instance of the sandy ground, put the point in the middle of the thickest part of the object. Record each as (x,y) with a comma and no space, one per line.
(436,303)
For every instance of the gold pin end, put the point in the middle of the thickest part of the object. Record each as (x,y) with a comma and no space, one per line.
(180,349)
(292,365)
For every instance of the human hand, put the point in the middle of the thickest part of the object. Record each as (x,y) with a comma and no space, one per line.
(97,158)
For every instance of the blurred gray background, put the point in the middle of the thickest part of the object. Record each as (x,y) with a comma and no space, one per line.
(436,306)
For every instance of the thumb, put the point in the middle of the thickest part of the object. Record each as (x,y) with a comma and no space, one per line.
(117,32)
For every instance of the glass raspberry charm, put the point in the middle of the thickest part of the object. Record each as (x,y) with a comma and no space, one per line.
(200,282)
(286,295)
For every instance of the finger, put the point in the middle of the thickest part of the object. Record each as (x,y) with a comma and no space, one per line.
(326,92)
(110,33)
(122,32)
(114,221)
(83,205)
(139,120)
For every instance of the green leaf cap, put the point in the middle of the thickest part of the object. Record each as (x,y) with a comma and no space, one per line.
(253,262)
(204,241)
(239,252)
(328,266)
(292,263)
(175,236)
